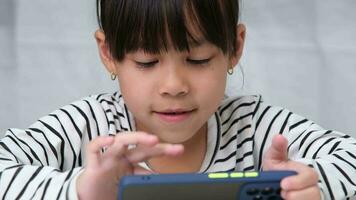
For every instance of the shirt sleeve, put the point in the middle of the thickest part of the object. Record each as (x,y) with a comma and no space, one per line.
(332,154)
(44,160)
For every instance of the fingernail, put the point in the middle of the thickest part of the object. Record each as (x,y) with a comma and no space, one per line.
(177,148)
(152,136)
(285,184)
(283,194)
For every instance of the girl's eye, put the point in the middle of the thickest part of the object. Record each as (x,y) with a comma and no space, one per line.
(146,64)
(199,62)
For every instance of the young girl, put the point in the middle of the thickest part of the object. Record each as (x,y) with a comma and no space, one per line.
(171,59)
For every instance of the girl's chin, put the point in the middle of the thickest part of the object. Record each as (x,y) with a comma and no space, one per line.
(173,139)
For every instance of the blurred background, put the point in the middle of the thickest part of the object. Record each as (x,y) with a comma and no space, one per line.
(299,54)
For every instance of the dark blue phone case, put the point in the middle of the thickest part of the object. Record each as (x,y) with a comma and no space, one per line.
(209,186)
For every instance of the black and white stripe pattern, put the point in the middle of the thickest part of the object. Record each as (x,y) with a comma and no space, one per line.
(43,161)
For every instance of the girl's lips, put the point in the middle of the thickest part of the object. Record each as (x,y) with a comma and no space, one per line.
(174,117)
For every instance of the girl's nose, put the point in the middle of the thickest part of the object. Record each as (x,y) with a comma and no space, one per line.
(174,83)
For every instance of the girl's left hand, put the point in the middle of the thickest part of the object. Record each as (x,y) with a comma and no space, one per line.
(304,185)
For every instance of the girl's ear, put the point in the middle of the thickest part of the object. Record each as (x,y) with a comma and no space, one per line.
(240,42)
(104,52)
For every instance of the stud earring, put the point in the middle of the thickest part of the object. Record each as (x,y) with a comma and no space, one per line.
(230,71)
(113,76)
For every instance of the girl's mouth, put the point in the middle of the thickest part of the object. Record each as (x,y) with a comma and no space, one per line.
(174,116)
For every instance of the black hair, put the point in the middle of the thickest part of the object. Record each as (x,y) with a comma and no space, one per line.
(153,25)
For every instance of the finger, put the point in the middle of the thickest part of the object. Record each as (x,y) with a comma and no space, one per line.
(310,193)
(276,153)
(143,153)
(122,140)
(95,146)
(305,177)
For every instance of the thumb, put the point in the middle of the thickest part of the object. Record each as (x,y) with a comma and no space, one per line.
(277,153)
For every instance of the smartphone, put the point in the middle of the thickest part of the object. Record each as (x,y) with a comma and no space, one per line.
(255,185)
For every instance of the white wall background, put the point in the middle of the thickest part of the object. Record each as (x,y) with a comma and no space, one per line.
(299,54)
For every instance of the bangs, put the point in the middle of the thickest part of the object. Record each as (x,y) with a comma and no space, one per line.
(156,25)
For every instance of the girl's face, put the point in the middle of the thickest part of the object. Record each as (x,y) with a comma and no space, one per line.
(172,94)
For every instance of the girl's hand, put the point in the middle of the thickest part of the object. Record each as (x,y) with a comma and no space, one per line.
(304,185)
(103,171)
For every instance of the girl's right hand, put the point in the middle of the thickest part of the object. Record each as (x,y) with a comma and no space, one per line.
(103,171)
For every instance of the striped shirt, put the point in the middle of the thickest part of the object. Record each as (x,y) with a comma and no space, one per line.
(44,160)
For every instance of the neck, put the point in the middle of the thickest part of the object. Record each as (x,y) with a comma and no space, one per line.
(190,161)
